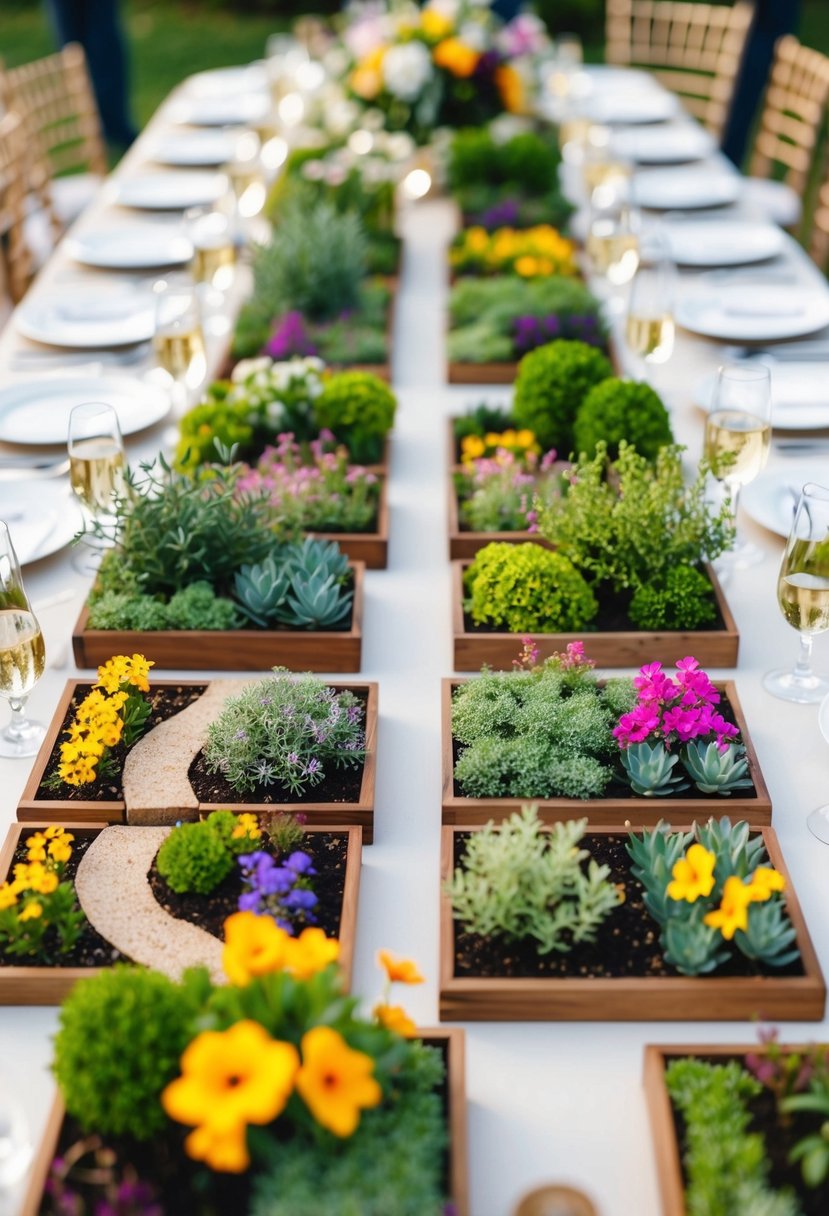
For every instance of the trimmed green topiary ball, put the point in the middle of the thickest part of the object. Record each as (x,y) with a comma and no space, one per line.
(684,599)
(527,589)
(622,409)
(194,857)
(119,1043)
(551,384)
(359,408)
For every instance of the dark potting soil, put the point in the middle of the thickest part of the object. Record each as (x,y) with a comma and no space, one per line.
(166,701)
(778,1139)
(627,942)
(90,950)
(328,851)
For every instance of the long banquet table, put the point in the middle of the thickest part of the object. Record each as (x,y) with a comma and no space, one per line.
(559,1101)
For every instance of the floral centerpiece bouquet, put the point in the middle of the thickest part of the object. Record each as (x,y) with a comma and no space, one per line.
(451,63)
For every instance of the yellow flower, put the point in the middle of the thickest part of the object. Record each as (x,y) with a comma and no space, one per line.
(476,239)
(138,671)
(399,971)
(309,953)
(112,674)
(693,875)
(254,945)
(511,88)
(732,913)
(435,25)
(472,446)
(31,912)
(246,825)
(8,896)
(395,1018)
(367,78)
(525,438)
(335,1082)
(456,57)
(228,1079)
(36,847)
(60,850)
(763,882)
(526,266)
(41,880)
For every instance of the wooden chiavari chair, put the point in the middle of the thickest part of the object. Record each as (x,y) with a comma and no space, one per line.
(68,161)
(819,242)
(15,258)
(693,49)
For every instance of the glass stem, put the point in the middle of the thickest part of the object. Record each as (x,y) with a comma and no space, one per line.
(16,728)
(734,492)
(803,666)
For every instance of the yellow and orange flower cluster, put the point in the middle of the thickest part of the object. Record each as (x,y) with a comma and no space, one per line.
(99,720)
(256,946)
(692,878)
(528,252)
(398,971)
(519,442)
(456,57)
(46,855)
(247,827)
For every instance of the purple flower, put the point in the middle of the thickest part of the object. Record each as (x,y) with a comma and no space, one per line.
(300,900)
(290,338)
(353,714)
(293,758)
(249,901)
(312,767)
(300,863)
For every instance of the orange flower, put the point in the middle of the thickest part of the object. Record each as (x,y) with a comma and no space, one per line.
(693,875)
(732,913)
(399,971)
(309,953)
(511,88)
(335,1082)
(395,1018)
(254,946)
(367,78)
(764,881)
(456,57)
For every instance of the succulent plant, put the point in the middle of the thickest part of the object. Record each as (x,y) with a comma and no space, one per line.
(261,589)
(650,770)
(315,601)
(713,771)
(313,556)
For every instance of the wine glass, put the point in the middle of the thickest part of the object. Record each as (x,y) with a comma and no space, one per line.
(246,173)
(612,245)
(600,165)
(210,231)
(96,474)
(737,438)
(22,654)
(649,327)
(179,338)
(803,596)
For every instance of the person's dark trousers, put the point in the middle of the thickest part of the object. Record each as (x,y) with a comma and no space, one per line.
(772,19)
(96,25)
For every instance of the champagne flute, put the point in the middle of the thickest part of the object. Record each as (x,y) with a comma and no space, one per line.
(96,474)
(737,439)
(803,596)
(612,244)
(22,654)
(214,250)
(179,339)
(246,173)
(649,328)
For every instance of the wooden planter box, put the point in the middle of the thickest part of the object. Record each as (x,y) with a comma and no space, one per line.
(481,373)
(612,811)
(231,649)
(458,1167)
(629,999)
(323,814)
(371,549)
(712,647)
(25,984)
(667,1149)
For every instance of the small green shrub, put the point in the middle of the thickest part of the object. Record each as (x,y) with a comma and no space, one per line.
(285,730)
(119,1042)
(359,408)
(518,881)
(196,857)
(198,607)
(684,599)
(527,589)
(551,385)
(622,409)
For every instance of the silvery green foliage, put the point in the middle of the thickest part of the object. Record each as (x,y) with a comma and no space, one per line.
(691,946)
(770,937)
(654,855)
(285,730)
(535,734)
(650,769)
(519,881)
(738,853)
(713,771)
(300,585)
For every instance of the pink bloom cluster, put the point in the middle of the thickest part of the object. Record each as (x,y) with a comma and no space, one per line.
(574,658)
(529,654)
(283,474)
(674,710)
(515,471)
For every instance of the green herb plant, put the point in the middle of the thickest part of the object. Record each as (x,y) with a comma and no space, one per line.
(196,857)
(484,316)
(527,589)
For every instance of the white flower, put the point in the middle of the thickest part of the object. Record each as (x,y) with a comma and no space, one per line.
(447,8)
(406,69)
(473,34)
(249,367)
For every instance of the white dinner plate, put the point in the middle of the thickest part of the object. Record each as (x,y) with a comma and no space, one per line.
(89,317)
(37,411)
(227,82)
(799,392)
(240,109)
(43,516)
(722,242)
(772,497)
(692,187)
(170,191)
(131,247)
(632,107)
(752,313)
(662,144)
(194,148)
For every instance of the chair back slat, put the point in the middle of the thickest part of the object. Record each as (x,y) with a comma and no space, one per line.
(15,258)
(793,115)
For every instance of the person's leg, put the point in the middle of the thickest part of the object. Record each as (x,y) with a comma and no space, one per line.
(772,19)
(106,53)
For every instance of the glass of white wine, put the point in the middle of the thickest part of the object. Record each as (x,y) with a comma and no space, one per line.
(803,596)
(22,654)
(214,248)
(649,327)
(612,245)
(96,474)
(179,338)
(737,439)
(246,173)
